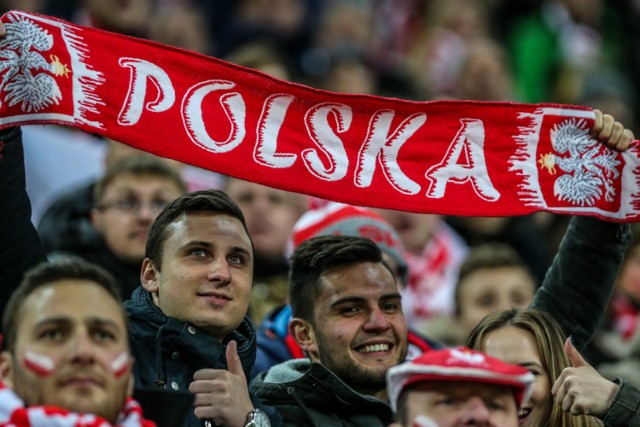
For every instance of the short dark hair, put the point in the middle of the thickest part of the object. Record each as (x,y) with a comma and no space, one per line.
(489,256)
(46,273)
(139,165)
(214,201)
(316,256)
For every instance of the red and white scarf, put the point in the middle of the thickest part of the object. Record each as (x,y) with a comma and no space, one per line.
(14,414)
(446,157)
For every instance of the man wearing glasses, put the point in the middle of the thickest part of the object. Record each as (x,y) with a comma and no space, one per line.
(127,199)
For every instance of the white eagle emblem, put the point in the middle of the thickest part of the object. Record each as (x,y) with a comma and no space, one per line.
(589,167)
(27,78)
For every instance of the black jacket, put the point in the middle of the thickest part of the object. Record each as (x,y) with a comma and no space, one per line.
(66,229)
(168,352)
(150,330)
(308,394)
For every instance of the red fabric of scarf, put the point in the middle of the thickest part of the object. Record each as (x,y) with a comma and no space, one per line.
(446,157)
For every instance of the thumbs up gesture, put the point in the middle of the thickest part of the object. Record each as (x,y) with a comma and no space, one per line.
(581,389)
(222,395)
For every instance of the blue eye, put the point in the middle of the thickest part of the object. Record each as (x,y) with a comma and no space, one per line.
(235,259)
(199,252)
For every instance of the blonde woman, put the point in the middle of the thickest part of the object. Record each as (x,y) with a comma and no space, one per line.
(531,338)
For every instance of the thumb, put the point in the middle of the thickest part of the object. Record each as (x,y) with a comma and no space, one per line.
(233,360)
(573,354)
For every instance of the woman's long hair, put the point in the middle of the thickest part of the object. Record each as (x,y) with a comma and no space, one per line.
(550,343)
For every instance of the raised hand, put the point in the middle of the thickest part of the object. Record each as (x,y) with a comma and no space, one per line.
(581,389)
(222,395)
(611,132)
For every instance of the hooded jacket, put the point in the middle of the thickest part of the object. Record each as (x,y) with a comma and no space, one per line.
(308,394)
(168,351)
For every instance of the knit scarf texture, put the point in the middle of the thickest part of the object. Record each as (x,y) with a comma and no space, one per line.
(443,157)
(13,413)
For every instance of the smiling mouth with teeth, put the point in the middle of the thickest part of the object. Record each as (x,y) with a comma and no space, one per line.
(374,348)
(523,413)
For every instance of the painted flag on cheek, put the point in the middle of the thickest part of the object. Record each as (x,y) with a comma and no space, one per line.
(445,157)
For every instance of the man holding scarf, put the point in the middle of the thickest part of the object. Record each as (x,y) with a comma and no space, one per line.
(188,316)
(185,333)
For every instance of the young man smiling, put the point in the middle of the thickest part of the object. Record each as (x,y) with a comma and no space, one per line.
(347,317)
(188,328)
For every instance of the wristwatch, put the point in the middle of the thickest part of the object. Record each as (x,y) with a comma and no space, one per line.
(257,418)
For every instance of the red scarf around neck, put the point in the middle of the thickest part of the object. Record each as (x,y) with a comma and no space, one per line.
(446,157)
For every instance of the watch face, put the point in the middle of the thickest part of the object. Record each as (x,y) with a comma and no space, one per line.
(257,418)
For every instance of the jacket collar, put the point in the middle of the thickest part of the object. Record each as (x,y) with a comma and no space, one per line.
(149,324)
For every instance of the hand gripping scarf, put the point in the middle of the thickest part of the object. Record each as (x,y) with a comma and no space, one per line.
(14,414)
(445,157)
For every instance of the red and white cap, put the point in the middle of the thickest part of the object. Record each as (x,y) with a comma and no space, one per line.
(459,364)
(340,219)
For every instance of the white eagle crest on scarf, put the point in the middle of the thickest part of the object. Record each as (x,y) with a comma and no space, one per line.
(28,79)
(589,167)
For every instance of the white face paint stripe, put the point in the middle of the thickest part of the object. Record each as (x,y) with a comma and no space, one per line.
(120,364)
(39,363)
(423,421)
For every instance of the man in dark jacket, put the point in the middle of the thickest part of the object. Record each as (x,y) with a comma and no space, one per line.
(347,315)
(188,329)
(126,200)
(347,318)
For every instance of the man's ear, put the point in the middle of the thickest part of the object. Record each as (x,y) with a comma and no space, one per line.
(6,368)
(149,276)
(96,220)
(304,335)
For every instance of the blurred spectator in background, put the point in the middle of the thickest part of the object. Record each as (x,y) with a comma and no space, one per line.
(440,44)
(518,232)
(484,73)
(350,73)
(270,215)
(434,252)
(289,24)
(37,6)
(126,201)
(181,25)
(262,56)
(129,17)
(492,277)
(554,46)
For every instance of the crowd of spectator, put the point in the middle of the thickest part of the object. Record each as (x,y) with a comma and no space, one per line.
(453,270)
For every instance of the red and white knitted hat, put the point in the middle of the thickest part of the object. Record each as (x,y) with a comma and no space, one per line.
(459,364)
(340,219)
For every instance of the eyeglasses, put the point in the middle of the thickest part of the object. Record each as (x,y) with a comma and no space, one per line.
(134,205)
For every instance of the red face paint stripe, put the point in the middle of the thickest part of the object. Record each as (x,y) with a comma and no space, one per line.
(120,365)
(39,364)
